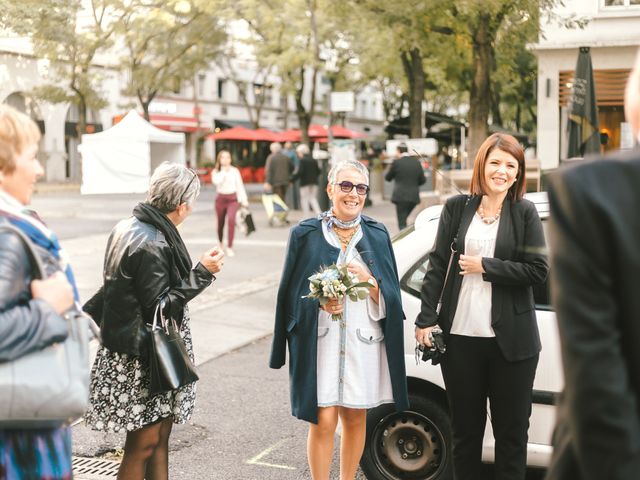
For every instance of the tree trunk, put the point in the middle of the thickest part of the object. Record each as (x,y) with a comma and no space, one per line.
(480,87)
(414,71)
(496,116)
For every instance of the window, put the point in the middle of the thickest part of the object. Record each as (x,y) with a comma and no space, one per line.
(620,3)
(221,88)
(202,78)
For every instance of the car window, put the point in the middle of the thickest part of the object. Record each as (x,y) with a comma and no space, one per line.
(412,280)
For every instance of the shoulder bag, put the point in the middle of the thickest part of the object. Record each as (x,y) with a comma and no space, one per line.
(48,387)
(436,336)
(169,364)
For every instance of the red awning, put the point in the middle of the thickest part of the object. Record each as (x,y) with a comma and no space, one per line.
(267,135)
(292,135)
(319,133)
(238,133)
(176,123)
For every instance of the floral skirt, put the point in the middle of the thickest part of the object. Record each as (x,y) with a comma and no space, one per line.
(120,400)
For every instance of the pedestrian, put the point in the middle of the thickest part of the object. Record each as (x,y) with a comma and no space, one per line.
(408,175)
(339,369)
(294,195)
(230,194)
(278,170)
(146,260)
(594,236)
(31,311)
(307,174)
(488,314)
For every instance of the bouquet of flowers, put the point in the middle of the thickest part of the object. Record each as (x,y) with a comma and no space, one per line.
(336,282)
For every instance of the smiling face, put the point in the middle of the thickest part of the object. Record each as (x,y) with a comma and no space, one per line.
(20,182)
(225,159)
(500,172)
(347,206)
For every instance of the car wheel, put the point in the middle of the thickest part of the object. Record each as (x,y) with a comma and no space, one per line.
(414,444)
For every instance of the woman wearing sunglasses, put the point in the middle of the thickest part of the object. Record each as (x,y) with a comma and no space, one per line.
(339,369)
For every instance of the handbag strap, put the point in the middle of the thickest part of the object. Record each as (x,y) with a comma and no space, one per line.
(37,268)
(451,255)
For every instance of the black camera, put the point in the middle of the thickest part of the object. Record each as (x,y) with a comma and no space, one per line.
(439,347)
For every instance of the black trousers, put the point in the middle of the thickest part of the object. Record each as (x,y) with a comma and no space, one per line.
(475,370)
(403,209)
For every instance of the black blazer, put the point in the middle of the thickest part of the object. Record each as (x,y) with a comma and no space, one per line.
(595,253)
(408,175)
(519,263)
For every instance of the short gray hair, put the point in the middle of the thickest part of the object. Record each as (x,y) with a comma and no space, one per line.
(302,149)
(275,147)
(172,184)
(347,165)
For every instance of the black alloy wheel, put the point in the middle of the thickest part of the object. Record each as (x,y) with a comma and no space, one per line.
(410,445)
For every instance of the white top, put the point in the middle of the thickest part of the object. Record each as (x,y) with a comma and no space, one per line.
(473,315)
(352,357)
(230,181)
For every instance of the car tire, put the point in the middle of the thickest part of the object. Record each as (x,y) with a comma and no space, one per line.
(410,445)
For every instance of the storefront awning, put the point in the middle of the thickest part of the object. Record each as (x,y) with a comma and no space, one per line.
(176,123)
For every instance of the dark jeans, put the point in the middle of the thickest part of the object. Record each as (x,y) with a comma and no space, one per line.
(474,369)
(403,209)
(226,205)
(281,191)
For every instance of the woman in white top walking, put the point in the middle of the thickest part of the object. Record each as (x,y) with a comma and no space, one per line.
(230,195)
(488,312)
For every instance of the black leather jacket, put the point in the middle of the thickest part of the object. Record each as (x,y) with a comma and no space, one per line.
(26,324)
(138,271)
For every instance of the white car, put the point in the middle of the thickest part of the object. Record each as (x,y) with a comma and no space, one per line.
(416,444)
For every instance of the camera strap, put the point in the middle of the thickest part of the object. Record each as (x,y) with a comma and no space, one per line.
(453,247)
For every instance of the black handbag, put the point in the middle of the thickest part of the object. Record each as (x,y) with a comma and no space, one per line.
(244,221)
(169,364)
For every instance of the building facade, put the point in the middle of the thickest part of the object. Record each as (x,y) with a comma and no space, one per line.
(613,37)
(211,100)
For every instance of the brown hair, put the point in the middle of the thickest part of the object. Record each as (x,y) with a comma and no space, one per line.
(217,165)
(17,132)
(508,144)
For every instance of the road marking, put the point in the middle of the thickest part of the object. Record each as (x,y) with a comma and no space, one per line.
(256,460)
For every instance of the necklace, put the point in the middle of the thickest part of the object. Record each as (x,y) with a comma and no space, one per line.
(488,220)
(345,238)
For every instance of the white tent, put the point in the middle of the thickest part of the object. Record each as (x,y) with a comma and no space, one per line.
(122,158)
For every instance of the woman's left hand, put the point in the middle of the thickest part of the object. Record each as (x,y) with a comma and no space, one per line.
(470,264)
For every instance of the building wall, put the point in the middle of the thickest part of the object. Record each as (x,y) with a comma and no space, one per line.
(613,36)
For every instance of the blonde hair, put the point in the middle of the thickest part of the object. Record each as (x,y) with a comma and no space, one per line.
(17,133)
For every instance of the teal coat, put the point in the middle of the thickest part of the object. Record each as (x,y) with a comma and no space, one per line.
(296,322)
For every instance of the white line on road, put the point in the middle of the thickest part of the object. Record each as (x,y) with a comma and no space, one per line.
(256,460)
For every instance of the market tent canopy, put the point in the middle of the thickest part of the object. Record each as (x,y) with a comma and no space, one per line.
(319,132)
(236,133)
(122,158)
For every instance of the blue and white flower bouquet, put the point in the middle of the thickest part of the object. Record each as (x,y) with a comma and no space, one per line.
(336,282)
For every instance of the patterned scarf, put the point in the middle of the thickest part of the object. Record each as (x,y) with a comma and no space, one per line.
(33,227)
(332,220)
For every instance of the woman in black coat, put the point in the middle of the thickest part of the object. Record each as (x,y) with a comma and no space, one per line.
(488,313)
(146,261)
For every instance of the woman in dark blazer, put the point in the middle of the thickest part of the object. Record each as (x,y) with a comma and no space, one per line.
(340,368)
(488,313)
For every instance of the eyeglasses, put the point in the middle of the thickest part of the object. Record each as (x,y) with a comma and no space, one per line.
(346,187)
(195,175)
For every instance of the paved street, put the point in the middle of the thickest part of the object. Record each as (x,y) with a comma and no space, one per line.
(242,428)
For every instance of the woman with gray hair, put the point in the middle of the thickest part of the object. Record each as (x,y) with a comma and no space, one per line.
(146,261)
(339,369)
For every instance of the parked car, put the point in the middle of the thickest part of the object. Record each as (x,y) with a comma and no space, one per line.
(416,444)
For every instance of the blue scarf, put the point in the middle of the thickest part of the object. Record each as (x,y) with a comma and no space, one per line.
(34,228)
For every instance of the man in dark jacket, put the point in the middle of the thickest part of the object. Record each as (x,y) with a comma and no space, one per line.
(278,169)
(595,232)
(407,172)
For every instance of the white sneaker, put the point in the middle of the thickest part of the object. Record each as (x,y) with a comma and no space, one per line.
(230,253)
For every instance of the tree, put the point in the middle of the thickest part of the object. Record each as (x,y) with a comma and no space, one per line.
(69,42)
(166,43)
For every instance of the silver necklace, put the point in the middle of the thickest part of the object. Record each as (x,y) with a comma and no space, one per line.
(488,220)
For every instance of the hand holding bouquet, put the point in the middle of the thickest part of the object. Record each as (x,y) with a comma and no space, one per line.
(336,282)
